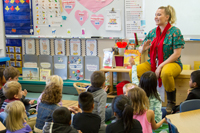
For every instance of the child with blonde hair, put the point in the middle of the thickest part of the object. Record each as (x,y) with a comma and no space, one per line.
(127,87)
(15,121)
(51,96)
(57,80)
(141,110)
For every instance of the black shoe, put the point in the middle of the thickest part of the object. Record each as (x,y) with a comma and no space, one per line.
(171,98)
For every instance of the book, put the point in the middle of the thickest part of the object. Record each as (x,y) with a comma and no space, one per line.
(44,74)
(134,54)
(30,73)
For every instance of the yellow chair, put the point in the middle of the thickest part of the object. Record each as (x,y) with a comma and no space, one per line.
(196,65)
(186,67)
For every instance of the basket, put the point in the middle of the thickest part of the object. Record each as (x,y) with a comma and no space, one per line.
(81,87)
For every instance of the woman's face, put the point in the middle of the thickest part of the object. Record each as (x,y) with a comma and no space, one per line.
(161,18)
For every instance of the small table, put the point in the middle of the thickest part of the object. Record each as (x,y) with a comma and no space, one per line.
(186,122)
(111,70)
(181,83)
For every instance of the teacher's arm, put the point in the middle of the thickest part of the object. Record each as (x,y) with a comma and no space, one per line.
(145,46)
(172,58)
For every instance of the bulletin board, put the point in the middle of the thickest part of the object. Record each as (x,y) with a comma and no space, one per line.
(78,18)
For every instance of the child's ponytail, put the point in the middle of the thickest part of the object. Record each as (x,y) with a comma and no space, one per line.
(127,117)
(122,106)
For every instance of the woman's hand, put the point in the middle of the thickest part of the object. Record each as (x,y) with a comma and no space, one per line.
(75,109)
(145,46)
(158,71)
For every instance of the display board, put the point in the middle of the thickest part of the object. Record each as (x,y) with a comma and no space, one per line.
(79,18)
(187,13)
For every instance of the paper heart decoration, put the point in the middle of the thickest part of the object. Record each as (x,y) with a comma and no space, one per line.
(81,16)
(68,5)
(97,21)
(95,5)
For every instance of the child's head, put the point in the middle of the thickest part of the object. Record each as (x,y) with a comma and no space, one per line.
(56,79)
(127,87)
(148,82)
(97,79)
(139,100)
(86,101)
(62,115)
(12,89)
(123,109)
(2,78)
(195,79)
(52,94)
(11,74)
(16,115)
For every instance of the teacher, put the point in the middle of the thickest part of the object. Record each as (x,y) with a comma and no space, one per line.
(164,45)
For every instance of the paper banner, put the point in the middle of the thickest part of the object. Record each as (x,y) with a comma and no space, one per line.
(68,5)
(95,5)
(97,21)
(81,16)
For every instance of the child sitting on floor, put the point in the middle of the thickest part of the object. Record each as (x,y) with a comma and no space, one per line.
(125,123)
(100,97)
(16,119)
(49,102)
(2,82)
(85,120)
(13,92)
(56,79)
(192,93)
(141,110)
(61,122)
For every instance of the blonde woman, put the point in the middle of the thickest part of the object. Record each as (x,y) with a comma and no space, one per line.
(58,81)
(164,45)
(16,119)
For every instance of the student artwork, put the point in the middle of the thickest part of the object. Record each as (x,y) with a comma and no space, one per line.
(44,74)
(68,5)
(30,73)
(29,46)
(75,47)
(97,20)
(91,65)
(44,47)
(91,47)
(12,63)
(76,67)
(131,54)
(12,56)
(18,49)
(81,16)
(11,49)
(59,46)
(18,57)
(18,63)
(95,5)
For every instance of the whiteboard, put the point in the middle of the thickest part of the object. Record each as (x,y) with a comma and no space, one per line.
(74,26)
(187,13)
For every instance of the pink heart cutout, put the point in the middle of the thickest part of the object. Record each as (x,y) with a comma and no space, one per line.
(81,16)
(97,21)
(95,5)
(68,5)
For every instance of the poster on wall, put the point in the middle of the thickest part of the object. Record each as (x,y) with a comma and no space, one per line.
(75,47)
(134,18)
(44,47)
(29,46)
(113,20)
(91,47)
(59,45)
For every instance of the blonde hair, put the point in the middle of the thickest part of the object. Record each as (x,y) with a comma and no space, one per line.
(52,94)
(139,100)
(169,10)
(56,79)
(129,86)
(11,88)
(16,115)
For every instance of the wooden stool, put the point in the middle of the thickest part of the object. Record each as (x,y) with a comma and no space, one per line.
(182,85)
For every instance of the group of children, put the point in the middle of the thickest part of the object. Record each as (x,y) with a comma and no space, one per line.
(138,110)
